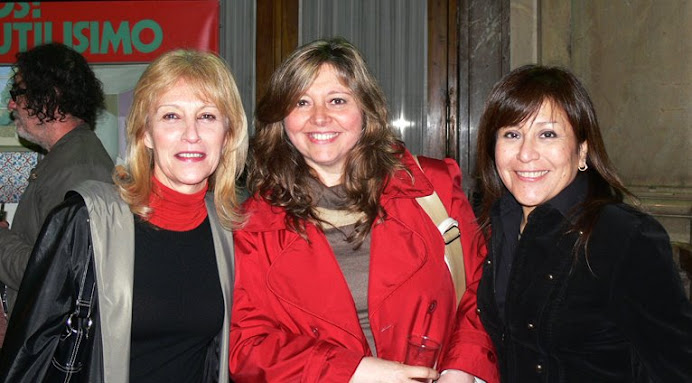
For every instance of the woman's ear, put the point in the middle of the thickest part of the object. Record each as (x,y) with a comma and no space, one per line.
(583,153)
(147,140)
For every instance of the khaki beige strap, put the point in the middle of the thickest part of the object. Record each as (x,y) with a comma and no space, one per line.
(449,229)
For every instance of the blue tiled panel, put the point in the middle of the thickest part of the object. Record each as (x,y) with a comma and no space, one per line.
(15,168)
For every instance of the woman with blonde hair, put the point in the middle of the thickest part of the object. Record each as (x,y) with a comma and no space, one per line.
(338,264)
(157,243)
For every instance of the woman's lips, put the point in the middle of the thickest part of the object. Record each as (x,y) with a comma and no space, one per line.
(191,156)
(322,137)
(531,175)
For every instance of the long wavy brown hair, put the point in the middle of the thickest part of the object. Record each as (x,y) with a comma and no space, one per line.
(210,76)
(517,97)
(279,174)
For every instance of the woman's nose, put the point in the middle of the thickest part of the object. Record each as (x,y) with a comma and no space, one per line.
(527,151)
(320,115)
(191,134)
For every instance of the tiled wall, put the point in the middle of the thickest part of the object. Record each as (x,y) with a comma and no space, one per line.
(15,168)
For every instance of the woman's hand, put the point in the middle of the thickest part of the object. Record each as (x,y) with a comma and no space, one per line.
(456,376)
(375,370)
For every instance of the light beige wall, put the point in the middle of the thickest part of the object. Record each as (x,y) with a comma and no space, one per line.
(555,25)
(635,57)
(523,26)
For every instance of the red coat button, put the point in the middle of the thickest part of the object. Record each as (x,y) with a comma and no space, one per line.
(491,356)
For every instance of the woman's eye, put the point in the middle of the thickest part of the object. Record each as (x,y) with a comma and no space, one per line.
(207,116)
(510,134)
(170,116)
(338,101)
(302,103)
(548,134)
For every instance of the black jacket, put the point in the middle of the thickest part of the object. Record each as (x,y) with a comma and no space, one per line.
(620,316)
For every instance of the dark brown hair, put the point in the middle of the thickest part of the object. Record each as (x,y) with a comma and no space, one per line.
(279,174)
(517,97)
(58,82)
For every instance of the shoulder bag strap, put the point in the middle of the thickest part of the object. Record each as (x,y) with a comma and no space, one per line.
(85,299)
(449,229)
(73,349)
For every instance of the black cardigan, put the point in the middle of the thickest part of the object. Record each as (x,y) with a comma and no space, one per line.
(621,316)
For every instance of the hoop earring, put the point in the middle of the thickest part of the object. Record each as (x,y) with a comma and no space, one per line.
(583,167)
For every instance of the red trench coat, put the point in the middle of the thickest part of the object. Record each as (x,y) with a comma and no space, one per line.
(294,319)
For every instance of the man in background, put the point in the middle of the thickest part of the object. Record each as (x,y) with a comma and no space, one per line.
(55,100)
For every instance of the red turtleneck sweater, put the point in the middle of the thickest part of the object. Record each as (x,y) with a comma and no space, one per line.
(175,211)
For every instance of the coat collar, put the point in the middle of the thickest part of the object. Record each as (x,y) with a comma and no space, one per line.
(262,216)
(566,202)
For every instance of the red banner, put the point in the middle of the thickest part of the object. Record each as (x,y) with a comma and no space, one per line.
(110,31)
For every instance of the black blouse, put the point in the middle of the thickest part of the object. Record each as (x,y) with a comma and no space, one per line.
(177,307)
(510,216)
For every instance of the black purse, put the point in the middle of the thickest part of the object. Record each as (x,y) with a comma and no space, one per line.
(72,353)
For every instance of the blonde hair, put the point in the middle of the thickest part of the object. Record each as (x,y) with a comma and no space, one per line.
(209,75)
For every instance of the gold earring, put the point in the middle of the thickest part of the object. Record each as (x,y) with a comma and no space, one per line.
(583,168)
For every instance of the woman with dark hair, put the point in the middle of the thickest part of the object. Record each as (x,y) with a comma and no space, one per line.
(577,286)
(157,244)
(338,263)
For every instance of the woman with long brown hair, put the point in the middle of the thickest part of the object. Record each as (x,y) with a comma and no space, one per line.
(338,264)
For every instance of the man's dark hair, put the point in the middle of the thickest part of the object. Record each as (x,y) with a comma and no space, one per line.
(58,81)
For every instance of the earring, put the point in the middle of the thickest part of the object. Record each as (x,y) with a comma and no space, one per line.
(583,168)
